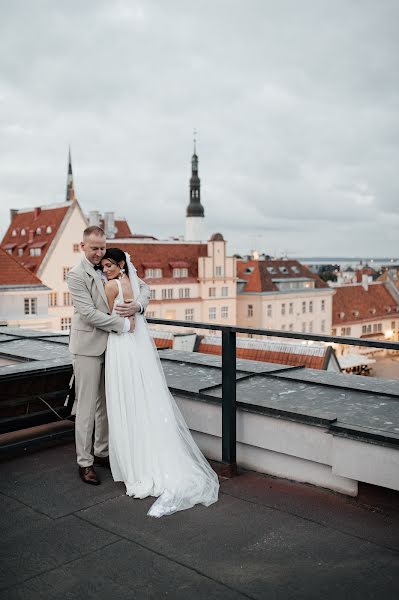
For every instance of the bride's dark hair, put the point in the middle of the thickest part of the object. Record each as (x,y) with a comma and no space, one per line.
(116,255)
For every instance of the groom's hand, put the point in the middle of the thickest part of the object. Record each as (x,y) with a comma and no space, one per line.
(128,308)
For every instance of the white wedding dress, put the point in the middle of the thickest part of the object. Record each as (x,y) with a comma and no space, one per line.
(150,446)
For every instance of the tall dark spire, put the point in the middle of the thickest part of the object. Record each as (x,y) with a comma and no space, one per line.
(195,208)
(70,189)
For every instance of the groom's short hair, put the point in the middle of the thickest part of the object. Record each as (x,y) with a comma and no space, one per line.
(93,229)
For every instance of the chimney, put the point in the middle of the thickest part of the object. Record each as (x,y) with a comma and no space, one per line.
(13,212)
(109,225)
(36,212)
(94,218)
(365,282)
(31,235)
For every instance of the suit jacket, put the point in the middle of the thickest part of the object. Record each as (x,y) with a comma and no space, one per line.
(92,320)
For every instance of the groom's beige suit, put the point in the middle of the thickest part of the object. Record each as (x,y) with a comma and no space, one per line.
(91,324)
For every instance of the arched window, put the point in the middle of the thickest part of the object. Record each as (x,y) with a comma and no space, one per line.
(23,231)
(39,231)
(49,230)
(14,232)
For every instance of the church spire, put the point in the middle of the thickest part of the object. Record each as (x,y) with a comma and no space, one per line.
(70,189)
(195,210)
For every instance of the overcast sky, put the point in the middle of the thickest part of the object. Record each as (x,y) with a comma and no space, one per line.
(295,102)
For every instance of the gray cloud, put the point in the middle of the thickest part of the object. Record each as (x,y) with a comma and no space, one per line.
(295,103)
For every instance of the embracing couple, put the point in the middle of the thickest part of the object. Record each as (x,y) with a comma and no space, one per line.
(125,415)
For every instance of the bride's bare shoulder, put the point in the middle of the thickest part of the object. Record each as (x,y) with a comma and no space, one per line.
(111,287)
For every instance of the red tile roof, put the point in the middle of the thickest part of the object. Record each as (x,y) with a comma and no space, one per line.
(12,273)
(283,353)
(260,274)
(162,255)
(352,303)
(35,222)
(122,228)
(365,271)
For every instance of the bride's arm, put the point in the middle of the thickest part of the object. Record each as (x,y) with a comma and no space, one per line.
(111,291)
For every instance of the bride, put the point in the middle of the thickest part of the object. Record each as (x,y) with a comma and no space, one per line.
(150,446)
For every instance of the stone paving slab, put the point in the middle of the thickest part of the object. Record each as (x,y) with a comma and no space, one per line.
(45,545)
(124,571)
(256,550)
(48,482)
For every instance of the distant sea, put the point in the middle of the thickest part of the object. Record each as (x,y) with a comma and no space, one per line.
(346,261)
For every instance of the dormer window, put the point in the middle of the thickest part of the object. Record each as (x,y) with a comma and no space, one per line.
(283,270)
(271,270)
(248,270)
(373,311)
(341,315)
(35,251)
(48,229)
(14,232)
(295,269)
(355,313)
(180,272)
(23,231)
(39,231)
(153,273)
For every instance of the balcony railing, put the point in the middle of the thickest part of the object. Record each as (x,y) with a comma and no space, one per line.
(228,335)
(229,430)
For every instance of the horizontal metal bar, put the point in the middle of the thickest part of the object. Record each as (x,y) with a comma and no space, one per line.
(296,335)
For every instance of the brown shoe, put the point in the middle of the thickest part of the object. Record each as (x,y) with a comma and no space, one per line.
(102,461)
(88,475)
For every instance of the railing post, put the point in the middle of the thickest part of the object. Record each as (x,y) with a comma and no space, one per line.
(229,468)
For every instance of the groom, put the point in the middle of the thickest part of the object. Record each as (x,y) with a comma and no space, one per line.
(91,324)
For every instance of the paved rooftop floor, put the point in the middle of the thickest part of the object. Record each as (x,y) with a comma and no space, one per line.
(265,538)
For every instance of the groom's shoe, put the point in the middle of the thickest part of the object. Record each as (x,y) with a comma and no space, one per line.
(102,461)
(88,475)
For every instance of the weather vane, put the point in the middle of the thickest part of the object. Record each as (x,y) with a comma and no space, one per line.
(195,140)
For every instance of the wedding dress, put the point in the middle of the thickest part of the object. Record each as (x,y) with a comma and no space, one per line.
(150,446)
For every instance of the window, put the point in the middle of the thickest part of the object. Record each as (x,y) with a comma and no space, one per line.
(393,325)
(65,271)
(39,231)
(9,251)
(48,229)
(283,269)
(323,305)
(295,269)
(282,327)
(167,293)
(23,231)
(52,299)
(269,310)
(334,331)
(212,292)
(212,313)
(150,315)
(291,308)
(345,330)
(20,251)
(310,306)
(14,232)
(303,307)
(218,271)
(66,323)
(75,247)
(184,292)
(180,272)
(35,251)
(364,328)
(153,273)
(250,311)
(67,299)
(225,291)
(368,328)
(224,312)
(283,309)
(30,306)
(303,327)
(189,314)
(323,325)
(152,294)
(310,326)
(291,327)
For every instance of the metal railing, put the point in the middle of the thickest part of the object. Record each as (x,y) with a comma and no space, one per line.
(229,351)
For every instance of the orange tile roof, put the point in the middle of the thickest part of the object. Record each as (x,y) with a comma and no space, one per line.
(12,273)
(162,255)
(263,272)
(352,303)
(35,223)
(122,228)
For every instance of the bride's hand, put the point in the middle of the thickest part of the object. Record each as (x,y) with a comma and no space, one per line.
(132,324)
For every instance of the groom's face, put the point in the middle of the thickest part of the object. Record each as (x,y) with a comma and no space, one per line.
(94,248)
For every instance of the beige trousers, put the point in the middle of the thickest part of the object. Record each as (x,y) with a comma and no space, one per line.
(91,410)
